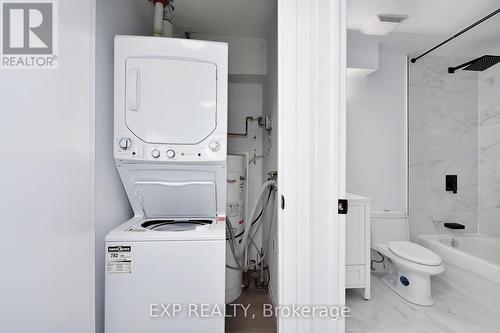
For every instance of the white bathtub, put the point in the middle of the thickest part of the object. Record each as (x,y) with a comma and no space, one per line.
(472,263)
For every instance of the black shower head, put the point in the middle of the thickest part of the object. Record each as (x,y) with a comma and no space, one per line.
(483,63)
(478,65)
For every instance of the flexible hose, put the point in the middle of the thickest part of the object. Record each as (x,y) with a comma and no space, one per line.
(233,239)
(266,248)
(259,222)
(248,226)
(258,216)
(232,242)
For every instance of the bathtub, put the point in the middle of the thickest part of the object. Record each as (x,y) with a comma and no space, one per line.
(472,263)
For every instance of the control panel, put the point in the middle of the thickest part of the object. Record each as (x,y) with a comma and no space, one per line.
(129,149)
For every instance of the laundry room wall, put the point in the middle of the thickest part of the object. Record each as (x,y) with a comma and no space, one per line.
(47,274)
(114,17)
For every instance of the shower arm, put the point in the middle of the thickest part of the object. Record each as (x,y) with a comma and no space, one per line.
(413,60)
(452,70)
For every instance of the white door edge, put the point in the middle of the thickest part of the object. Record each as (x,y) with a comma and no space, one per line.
(311,159)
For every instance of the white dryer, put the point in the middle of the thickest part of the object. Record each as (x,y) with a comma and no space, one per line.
(170,100)
(170,151)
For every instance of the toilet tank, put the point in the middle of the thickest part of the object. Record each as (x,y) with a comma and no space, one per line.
(389,226)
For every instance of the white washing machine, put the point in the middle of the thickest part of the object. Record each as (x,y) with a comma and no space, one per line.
(165,268)
(158,264)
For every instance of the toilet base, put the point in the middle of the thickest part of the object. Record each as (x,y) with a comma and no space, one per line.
(413,287)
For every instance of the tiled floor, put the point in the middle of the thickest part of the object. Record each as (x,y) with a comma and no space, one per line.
(453,312)
(255,321)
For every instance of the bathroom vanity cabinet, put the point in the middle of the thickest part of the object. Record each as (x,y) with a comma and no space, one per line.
(357,258)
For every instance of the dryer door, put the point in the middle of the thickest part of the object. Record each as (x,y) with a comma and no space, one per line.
(170,101)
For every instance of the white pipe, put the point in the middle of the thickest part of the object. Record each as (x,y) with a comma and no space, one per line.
(250,218)
(247,189)
(158,19)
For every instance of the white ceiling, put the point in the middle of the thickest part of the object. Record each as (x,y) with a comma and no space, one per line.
(242,18)
(432,21)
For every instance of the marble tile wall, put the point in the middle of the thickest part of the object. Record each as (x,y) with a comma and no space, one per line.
(489,151)
(443,138)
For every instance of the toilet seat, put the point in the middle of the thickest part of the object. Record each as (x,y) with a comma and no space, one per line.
(414,253)
(408,264)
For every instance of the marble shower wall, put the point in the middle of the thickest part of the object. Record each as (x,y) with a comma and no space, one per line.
(489,150)
(443,134)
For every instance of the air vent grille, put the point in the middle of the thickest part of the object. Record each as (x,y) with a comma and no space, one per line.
(390,18)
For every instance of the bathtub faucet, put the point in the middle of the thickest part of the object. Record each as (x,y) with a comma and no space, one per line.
(448,223)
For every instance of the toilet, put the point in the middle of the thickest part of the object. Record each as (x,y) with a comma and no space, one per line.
(410,265)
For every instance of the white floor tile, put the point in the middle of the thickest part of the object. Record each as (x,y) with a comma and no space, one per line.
(453,312)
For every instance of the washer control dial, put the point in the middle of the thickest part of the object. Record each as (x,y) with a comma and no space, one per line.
(155,153)
(214,145)
(170,153)
(125,143)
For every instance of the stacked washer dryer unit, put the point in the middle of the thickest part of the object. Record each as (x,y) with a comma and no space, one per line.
(170,151)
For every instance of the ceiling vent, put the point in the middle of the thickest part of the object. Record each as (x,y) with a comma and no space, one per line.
(392,18)
(382,24)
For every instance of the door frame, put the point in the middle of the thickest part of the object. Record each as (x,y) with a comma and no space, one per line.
(311,159)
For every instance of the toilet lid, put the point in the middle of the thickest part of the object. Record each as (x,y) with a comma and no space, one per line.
(414,253)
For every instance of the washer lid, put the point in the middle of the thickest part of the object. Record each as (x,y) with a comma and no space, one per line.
(414,253)
(176,198)
(170,191)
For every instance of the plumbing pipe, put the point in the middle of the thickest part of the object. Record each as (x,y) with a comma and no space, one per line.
(248,225)
(259,121)
(167,29)
(158,17)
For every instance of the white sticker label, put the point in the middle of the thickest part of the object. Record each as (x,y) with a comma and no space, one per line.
(233,209)
(119,259)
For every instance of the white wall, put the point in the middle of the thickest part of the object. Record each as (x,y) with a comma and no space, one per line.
(270,145)
(247,56)
(46,281)
(362,53)
(376,134)
(489,150)
(112,207)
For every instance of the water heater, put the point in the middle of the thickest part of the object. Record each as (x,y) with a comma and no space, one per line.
(236,213)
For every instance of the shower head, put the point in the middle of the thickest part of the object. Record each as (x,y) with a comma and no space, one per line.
(478,65)
(483,63)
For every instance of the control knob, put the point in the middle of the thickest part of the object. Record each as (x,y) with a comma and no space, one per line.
(125,143)
(170,153)
(214,145)
(155,153)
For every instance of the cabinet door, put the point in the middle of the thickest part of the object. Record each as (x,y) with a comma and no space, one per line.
(355,235)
